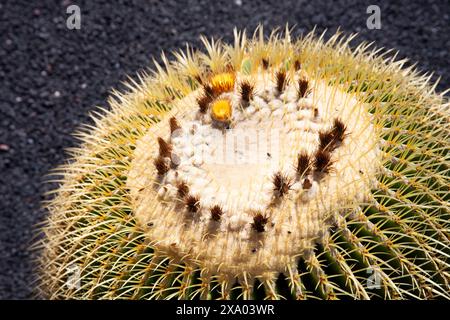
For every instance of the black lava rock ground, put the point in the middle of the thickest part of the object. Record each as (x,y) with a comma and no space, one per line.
(51,77)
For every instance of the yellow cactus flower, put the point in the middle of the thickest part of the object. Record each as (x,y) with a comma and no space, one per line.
(221,110)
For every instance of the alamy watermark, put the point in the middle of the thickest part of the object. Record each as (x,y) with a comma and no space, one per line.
(238,146)
(74,19)
(374,20)
(373,279)
(73,272)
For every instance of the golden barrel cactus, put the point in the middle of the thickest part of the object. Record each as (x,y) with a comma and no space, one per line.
(272,168)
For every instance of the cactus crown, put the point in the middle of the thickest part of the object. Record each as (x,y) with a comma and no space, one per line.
(270,168)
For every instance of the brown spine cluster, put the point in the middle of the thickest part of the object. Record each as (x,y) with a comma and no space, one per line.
(182,189)
(281,81)
(303,164)
(206,98)
(192,203)
(259,222)
(330,139)
(316,112)
(209,91)
(281,183)
(216,212)
(198,78)
(174,126)
(322,161)
(165,148)
(203,103)
(327,142)
(339,130)
(246,91)
(161,166)
(306,184)
(303,88)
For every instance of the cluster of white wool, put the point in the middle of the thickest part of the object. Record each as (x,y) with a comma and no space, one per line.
(201,152)
(295,221)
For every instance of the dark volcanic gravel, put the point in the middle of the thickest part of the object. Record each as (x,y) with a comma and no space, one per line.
(51,77)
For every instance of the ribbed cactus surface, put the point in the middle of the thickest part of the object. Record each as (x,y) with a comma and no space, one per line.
(273,168)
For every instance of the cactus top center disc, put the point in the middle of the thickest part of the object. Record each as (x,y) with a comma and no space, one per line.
(246,173)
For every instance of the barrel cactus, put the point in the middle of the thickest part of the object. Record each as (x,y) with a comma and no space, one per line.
(270,168)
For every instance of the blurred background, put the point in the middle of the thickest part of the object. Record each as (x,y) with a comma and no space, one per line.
(52,76)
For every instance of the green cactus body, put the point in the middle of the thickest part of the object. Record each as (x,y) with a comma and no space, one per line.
(270,168)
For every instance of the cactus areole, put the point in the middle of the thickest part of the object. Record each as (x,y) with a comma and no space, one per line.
(271,168)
